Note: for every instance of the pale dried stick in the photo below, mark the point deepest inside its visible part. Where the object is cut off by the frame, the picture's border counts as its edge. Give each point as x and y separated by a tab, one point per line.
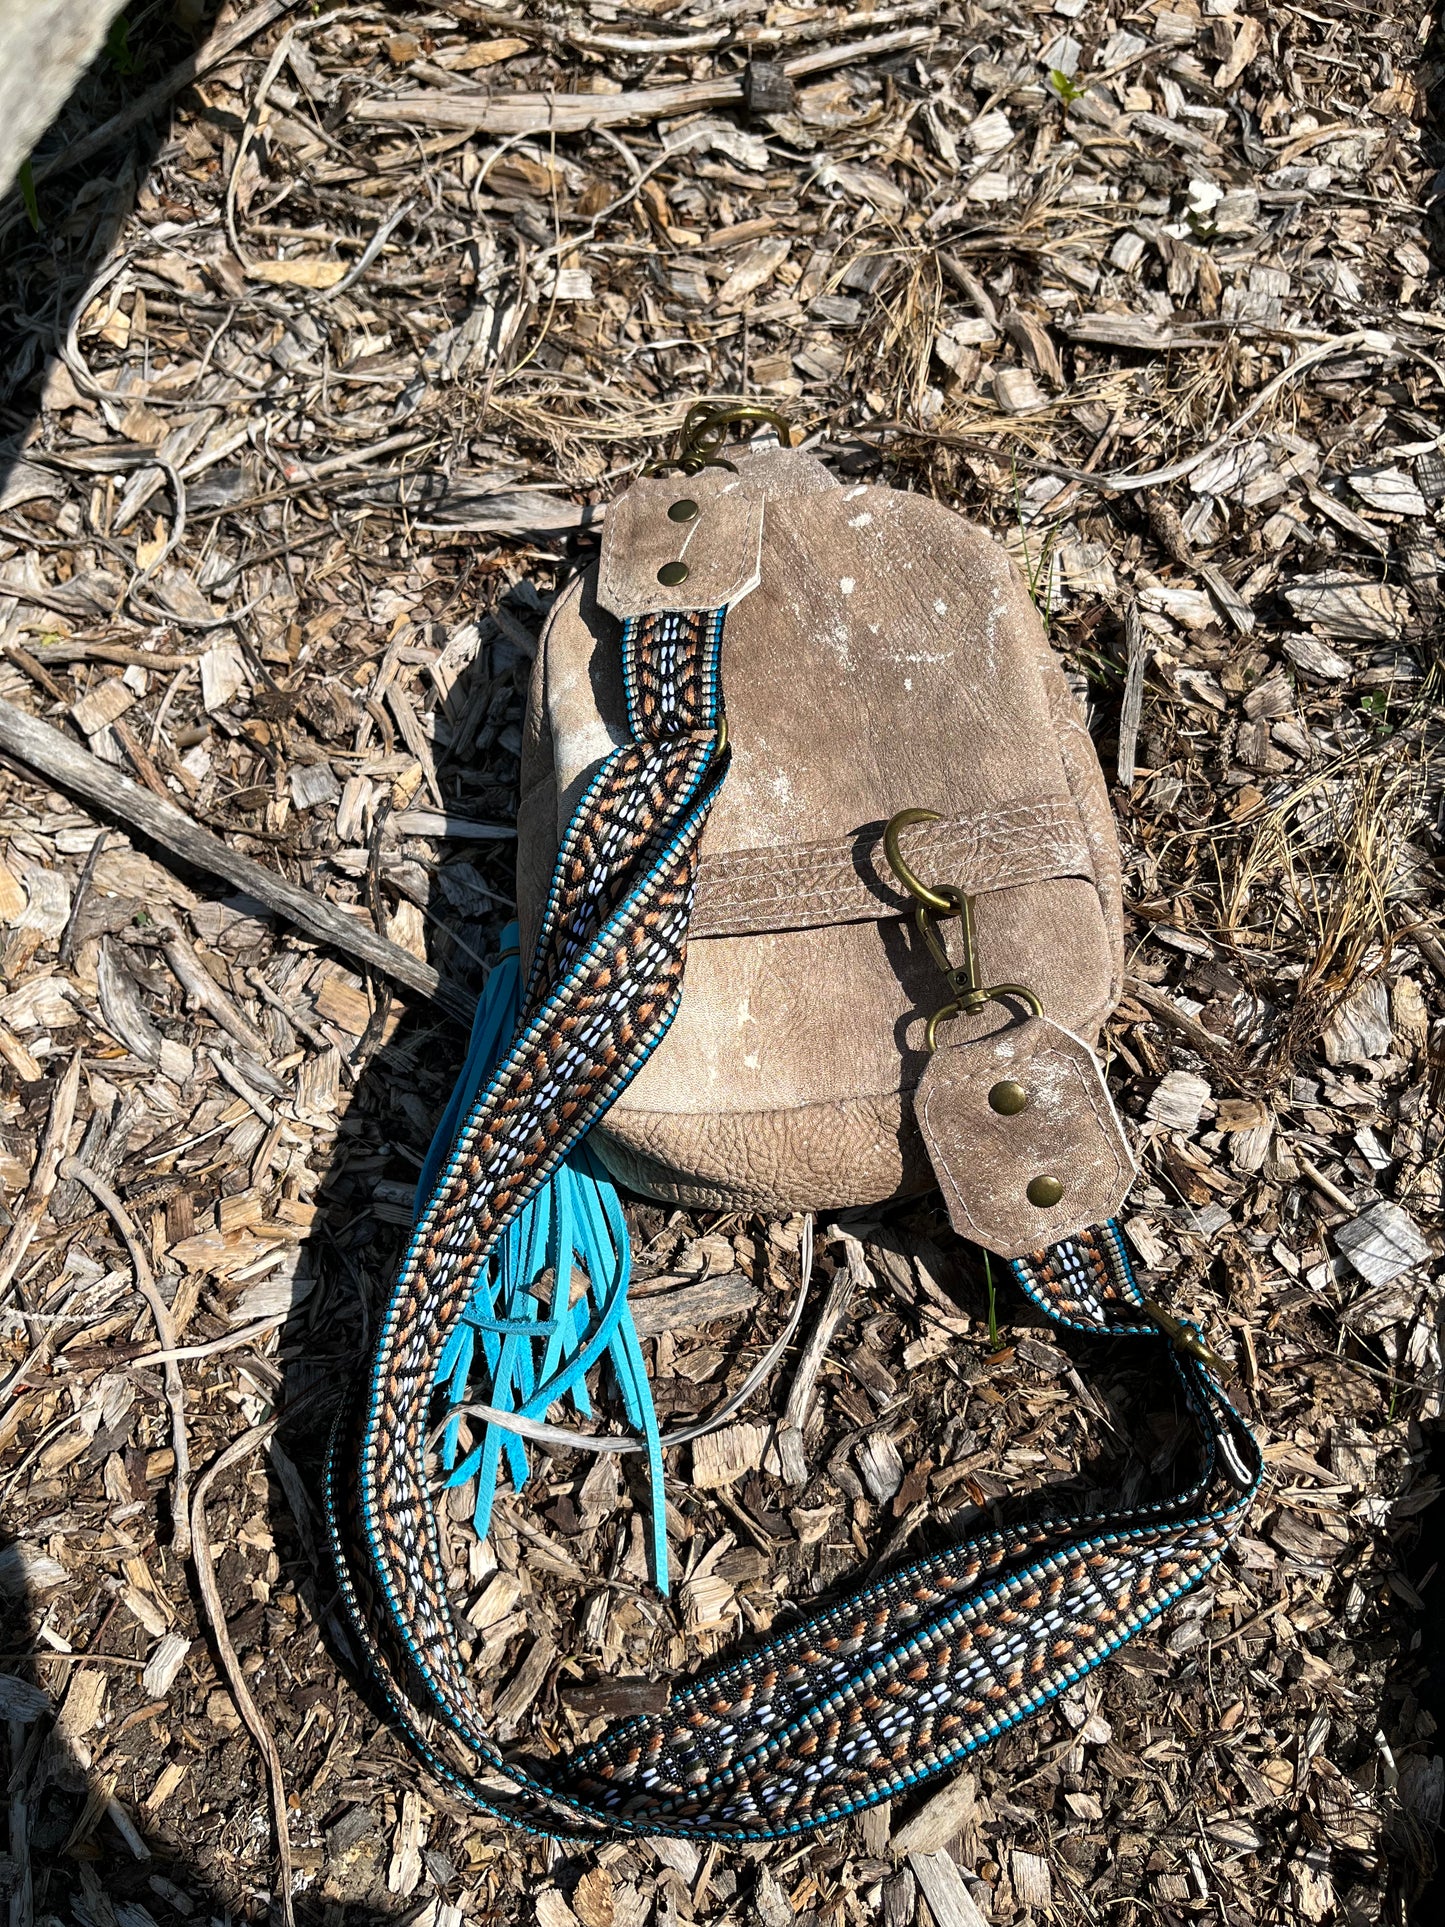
70	767
248	131
1132	710
235	1679
43	1176
230	1343
73	1171
1321	1183
791	1455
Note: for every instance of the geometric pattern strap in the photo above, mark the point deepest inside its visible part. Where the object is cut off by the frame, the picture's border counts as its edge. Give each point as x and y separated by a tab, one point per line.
907	1677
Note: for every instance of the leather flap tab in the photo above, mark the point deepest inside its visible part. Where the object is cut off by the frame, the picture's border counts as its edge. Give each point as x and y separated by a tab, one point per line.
1023	1137
710	559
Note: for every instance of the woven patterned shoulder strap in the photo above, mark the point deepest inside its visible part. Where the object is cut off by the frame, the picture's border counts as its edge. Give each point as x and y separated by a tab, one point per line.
869	1696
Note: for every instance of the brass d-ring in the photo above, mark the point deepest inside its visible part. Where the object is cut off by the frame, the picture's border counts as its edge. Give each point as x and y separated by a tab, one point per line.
902	869
973	1001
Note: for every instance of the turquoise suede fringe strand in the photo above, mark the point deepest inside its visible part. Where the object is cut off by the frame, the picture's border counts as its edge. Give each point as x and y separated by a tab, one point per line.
538	1342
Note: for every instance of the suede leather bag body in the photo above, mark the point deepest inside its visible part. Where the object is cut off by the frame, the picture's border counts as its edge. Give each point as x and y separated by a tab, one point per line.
880	653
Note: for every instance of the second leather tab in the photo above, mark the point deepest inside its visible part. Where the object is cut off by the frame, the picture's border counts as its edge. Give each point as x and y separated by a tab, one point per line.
1023	1137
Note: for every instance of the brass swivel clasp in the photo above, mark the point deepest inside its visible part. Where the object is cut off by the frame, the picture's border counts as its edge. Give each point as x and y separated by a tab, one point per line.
935	904
1185	1337
705	430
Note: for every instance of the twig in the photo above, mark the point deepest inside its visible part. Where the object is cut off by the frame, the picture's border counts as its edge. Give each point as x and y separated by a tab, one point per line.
1122	481
230	1075
376	1023
248	131
45	749
206	994
43	1176
36	671
369	253
1292	370
577	113
1321	1183
1169	1012
375	902
298	1020
70	353
139	759
353	458
86	1658
215	1613
1133	705
77	902
73	1171
214	1346
791	1455
67	649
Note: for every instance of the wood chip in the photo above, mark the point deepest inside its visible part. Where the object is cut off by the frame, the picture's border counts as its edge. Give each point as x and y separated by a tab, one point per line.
163	1663
1032	1882
1383	1243
524	1685
1179	1099
1359	1030
692	1306
21	1701
942	1886
719	1458
102	705
941	1819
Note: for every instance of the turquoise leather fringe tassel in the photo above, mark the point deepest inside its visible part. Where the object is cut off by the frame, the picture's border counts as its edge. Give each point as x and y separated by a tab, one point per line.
573	1235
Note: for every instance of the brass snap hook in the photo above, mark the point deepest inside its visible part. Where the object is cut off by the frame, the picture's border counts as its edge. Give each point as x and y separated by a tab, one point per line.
705	429
933	905
902	869
1185	1336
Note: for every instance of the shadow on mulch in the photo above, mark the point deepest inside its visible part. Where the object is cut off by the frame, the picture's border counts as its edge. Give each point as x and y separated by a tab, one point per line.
45	272
72	1858
1416	1681
65	1856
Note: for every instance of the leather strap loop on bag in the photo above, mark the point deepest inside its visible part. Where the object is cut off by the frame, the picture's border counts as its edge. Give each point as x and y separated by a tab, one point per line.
746	893
1027	1145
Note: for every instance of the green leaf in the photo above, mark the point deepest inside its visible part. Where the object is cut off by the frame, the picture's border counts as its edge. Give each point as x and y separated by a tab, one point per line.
1064	87
117	46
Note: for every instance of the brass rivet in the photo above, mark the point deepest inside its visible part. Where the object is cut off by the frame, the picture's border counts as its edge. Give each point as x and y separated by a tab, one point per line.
1044	1193
671	573
682	511
1008	1098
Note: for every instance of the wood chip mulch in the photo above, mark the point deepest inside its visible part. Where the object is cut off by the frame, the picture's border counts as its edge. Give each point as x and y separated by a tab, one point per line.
318	379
